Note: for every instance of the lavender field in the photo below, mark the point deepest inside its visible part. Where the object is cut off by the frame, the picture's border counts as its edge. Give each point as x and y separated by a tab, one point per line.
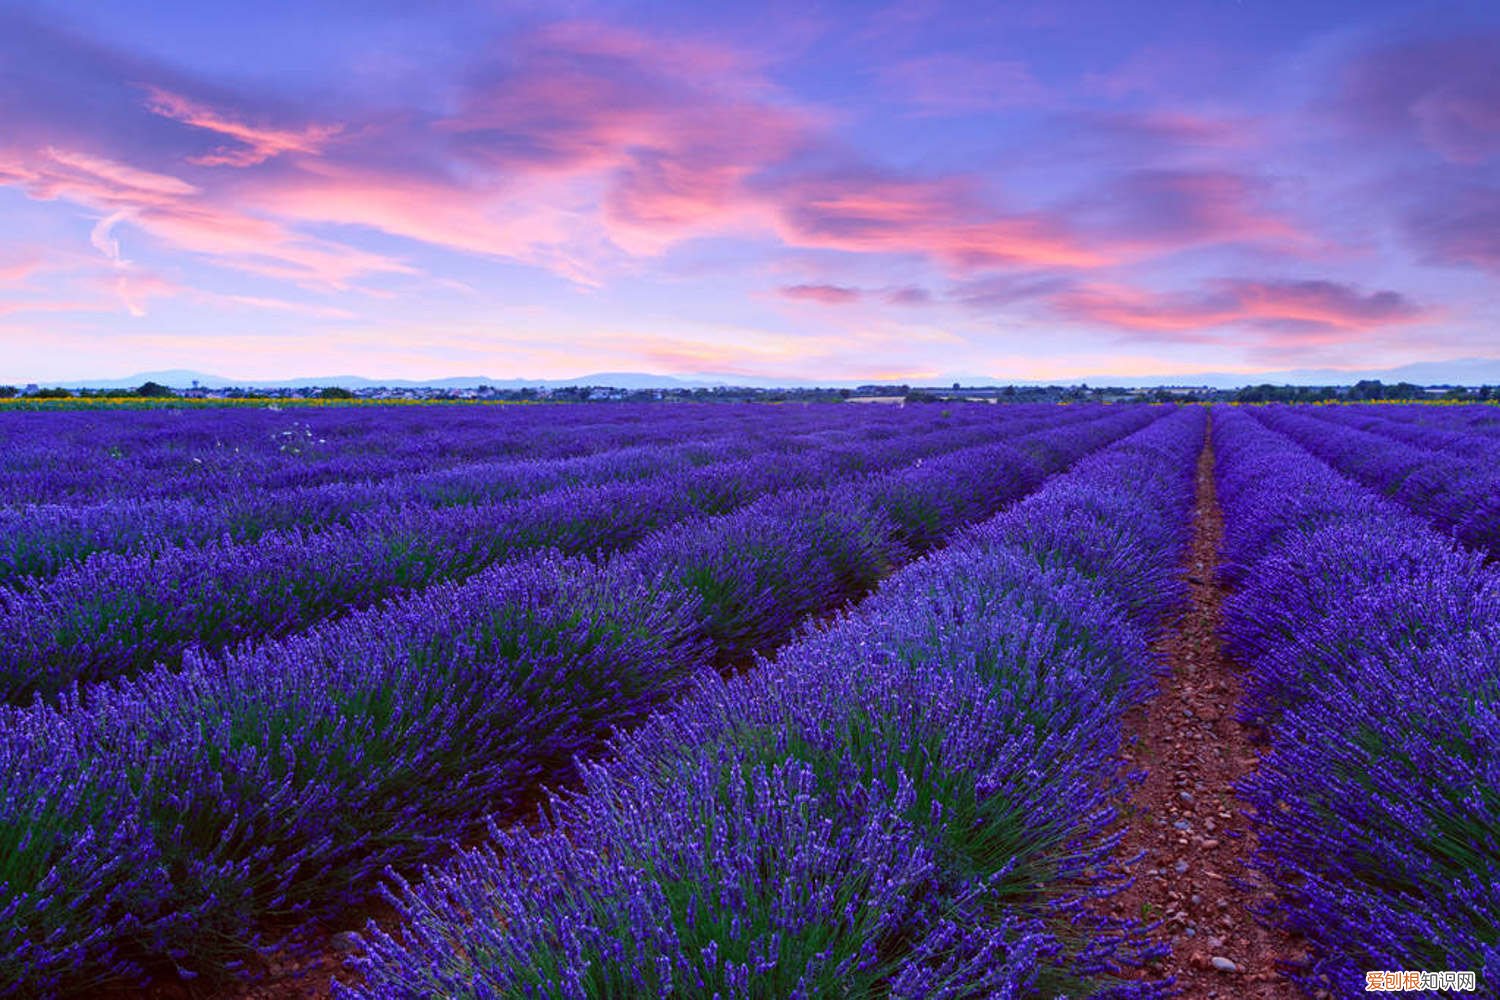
739	701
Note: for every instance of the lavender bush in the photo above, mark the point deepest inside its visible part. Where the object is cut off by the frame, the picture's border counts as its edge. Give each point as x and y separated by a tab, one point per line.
909	801
255	793
1373	645
1457	488
112	615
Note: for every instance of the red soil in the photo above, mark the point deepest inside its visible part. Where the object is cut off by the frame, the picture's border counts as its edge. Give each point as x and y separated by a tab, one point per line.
1184	820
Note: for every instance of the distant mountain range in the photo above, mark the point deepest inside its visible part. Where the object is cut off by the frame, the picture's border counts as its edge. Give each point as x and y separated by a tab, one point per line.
1464	371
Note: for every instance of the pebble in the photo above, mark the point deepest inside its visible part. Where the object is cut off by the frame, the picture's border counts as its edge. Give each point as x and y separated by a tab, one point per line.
1180	867
1185	796
1183	824
344	941
1223	964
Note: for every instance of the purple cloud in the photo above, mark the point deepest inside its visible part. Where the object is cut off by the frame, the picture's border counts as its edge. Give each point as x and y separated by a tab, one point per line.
1457	224
828	295
1441	92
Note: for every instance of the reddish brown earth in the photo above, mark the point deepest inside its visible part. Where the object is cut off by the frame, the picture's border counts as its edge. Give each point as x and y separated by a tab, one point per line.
1184	820
308	974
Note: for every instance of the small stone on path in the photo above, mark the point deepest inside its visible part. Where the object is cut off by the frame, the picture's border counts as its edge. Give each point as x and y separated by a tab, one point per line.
344	941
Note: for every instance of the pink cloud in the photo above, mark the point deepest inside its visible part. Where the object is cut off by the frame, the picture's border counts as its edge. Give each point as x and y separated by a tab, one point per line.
74	174
536	219
671	129
576	146
909	295
136	290
943	219
839	295
19	269
587	141
828	295
1293	311
184	216
256	144
281	305
1161	210
582	96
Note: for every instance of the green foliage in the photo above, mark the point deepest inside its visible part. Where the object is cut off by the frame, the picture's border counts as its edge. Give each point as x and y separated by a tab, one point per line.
1267	393
1368	389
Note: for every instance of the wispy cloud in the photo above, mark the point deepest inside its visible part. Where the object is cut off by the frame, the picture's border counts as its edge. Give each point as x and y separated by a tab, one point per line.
943	219
1284	310
19	269
828	295
1157	209
254	144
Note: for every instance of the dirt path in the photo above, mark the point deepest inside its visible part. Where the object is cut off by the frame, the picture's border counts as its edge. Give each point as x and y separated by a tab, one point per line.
1184	819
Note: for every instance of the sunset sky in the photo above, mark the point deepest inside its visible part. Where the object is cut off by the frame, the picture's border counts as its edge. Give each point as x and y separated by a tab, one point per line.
908	191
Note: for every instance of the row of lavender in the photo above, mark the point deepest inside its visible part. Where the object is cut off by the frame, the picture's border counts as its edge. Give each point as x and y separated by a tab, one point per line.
84	456
1482	419
1373	645
448	463
909	802
1460	430
1449	476
177	818
112	615
38	540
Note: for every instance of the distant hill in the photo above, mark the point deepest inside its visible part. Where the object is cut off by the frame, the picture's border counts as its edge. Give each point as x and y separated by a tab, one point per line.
1463	371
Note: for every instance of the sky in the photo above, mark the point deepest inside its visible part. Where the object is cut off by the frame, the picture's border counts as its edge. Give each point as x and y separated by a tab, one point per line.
899	191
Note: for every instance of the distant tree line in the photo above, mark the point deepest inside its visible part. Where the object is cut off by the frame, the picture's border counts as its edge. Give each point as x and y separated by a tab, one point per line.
1360	392
1267	393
